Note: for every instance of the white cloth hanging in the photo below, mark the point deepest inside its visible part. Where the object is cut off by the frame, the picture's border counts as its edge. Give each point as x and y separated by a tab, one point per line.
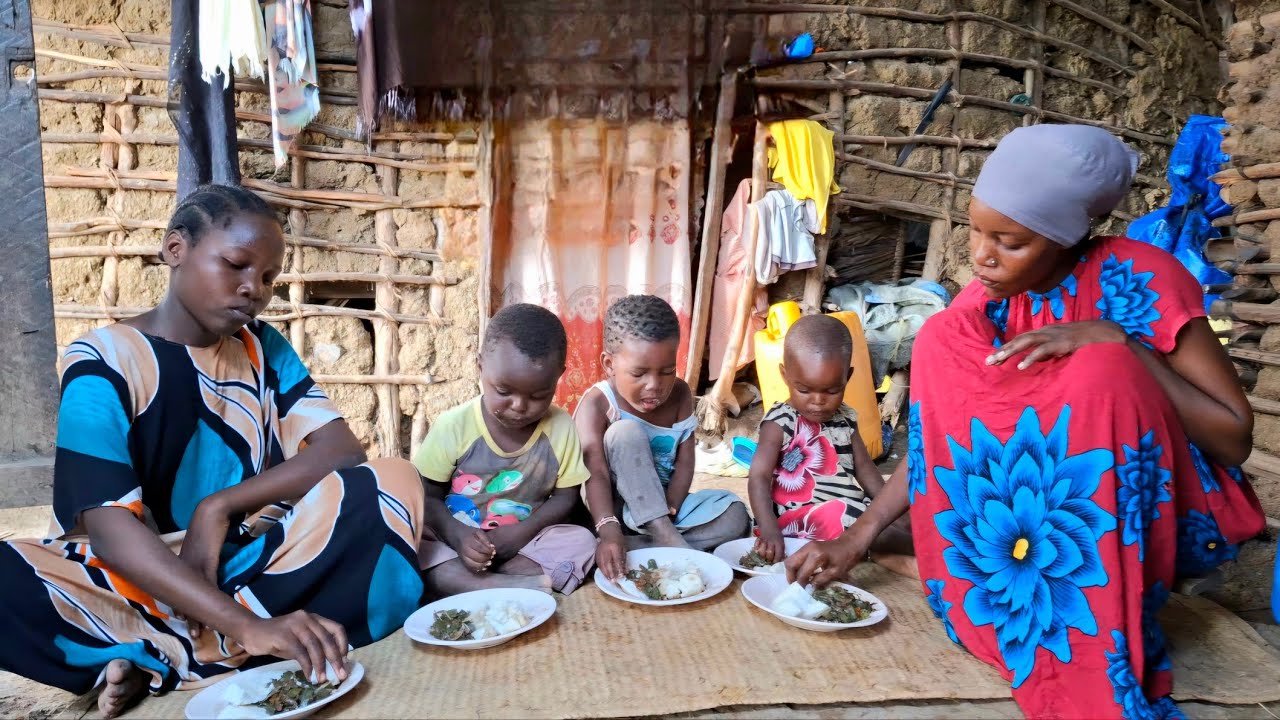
232	37
785	242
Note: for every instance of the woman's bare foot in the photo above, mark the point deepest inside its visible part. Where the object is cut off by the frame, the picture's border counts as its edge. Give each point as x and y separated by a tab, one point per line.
125	684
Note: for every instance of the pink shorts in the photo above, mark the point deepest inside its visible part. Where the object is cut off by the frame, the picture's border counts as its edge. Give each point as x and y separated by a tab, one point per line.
566	554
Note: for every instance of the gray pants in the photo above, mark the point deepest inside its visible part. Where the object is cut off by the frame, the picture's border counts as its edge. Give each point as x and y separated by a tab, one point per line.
638	490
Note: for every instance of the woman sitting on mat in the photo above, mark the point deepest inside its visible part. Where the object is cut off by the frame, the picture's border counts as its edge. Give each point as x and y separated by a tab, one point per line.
1075	428
196	427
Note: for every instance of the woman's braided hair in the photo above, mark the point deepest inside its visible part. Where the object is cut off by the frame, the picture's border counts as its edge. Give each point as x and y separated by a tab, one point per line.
213	206
640	317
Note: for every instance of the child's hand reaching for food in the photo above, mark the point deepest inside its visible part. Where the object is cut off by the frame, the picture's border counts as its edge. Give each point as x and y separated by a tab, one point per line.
770	545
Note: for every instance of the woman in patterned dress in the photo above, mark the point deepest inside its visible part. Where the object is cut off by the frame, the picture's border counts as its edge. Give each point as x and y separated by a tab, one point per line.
211	508
1074	434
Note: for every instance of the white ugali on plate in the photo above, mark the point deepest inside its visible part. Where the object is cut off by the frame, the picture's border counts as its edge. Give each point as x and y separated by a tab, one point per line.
716	574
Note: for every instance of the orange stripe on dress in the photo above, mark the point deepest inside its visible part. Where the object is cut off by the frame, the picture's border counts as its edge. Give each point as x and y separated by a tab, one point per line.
128	589
250	348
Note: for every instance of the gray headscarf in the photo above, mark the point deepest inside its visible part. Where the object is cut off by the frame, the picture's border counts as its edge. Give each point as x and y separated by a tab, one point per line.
1054	179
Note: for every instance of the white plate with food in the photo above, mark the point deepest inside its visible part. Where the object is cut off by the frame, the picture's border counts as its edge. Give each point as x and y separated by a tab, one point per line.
480	619
739	554
258	692
668	576
838	606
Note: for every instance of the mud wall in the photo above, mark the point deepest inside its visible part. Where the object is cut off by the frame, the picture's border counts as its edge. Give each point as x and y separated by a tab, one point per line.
1251	183
1126	65
406	208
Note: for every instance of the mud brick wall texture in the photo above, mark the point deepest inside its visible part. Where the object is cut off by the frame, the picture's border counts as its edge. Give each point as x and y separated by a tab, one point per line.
380	286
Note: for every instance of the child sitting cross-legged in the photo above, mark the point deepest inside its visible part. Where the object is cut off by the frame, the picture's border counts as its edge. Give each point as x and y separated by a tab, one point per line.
637	436
503	471
811	476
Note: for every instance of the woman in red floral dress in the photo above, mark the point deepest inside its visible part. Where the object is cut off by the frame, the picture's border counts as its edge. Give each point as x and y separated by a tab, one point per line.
1074	435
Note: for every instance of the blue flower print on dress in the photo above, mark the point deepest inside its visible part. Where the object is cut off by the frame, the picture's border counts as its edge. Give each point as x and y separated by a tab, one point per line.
1205	470
1024	530
1155	648
1128	692
998	313
941	608
1057	306
917	472
1126	299
1143	486
1201	546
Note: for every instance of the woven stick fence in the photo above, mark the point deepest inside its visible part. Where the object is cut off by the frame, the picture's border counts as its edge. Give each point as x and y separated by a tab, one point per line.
1043	58
102	73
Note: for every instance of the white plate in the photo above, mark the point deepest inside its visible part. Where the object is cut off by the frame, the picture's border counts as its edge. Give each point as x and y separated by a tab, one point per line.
538	605
716	573
732	551
209	702
761	591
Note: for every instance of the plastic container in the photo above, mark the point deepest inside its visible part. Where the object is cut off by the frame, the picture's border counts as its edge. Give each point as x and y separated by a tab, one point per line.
859	394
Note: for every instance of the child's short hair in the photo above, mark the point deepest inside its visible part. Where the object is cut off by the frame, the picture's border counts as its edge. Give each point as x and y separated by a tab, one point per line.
640	317
535	331
213	206
821	335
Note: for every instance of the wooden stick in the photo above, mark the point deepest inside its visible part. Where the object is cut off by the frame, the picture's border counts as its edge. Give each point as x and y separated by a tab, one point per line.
939	54
1257	295
391	380
1263	405
1268	268
1231	176
899	252
76	96
885	140
1245	218
875	204
1261	357
939	238
892	90
386	333
1187	20
402	161
922	17
1247	312
81	251
1107	23
166	181
711	407
279	312
1263	465
943	178
298	289
713	216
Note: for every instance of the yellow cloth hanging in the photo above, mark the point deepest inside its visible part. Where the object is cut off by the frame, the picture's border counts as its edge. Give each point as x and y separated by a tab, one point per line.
804	161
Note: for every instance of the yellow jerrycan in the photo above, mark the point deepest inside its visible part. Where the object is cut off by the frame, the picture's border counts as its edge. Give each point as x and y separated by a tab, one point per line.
859	394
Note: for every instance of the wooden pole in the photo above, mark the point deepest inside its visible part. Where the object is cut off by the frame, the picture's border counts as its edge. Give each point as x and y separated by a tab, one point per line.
713	216
386	331
711	407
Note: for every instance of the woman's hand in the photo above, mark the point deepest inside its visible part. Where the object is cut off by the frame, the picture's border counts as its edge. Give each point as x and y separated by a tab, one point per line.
825	562
308	639
1055	341
202	545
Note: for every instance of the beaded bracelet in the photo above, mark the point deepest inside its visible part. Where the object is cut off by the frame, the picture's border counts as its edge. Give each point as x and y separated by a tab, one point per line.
605	521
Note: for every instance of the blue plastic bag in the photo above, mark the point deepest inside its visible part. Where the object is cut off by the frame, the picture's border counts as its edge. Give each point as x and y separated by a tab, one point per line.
1184	226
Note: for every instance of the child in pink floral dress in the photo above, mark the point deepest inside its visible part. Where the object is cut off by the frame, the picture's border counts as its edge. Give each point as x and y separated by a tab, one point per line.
811	476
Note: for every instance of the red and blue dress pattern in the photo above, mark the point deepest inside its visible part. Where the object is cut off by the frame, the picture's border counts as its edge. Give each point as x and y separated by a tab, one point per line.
1053	506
